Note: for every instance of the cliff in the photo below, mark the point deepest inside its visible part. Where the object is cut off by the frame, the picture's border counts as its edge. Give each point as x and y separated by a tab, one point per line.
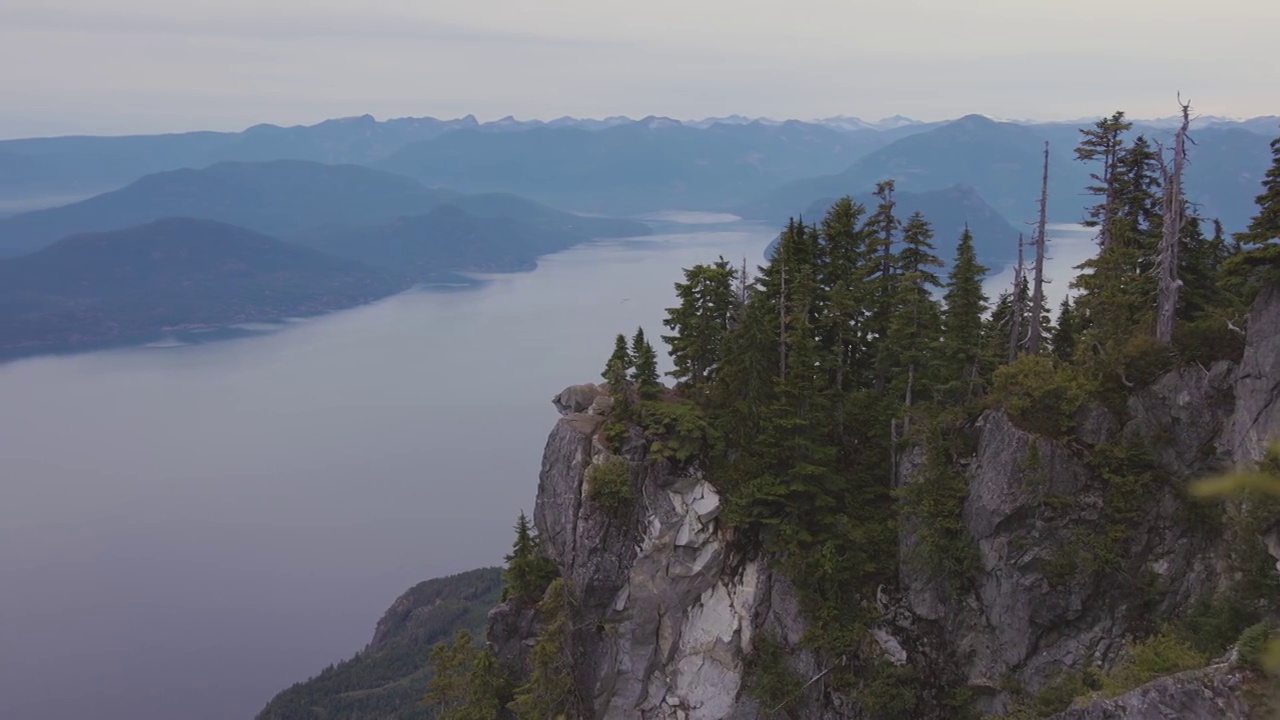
1080	543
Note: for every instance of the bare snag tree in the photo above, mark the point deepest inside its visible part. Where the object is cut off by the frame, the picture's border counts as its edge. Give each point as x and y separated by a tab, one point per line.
1037	288
1168	284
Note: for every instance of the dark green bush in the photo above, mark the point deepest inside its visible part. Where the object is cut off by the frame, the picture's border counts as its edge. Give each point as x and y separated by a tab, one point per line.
1041	394
1144	359
1207	340
610	484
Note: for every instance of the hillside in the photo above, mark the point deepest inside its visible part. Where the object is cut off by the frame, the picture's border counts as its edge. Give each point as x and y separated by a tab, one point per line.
1002	161
108	287
949	210
648	165
274	197
450	238
387	679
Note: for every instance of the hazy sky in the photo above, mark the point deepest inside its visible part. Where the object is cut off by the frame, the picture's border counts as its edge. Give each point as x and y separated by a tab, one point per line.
150	65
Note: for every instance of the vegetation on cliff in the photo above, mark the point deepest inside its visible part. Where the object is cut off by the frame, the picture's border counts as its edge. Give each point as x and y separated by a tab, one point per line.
848	355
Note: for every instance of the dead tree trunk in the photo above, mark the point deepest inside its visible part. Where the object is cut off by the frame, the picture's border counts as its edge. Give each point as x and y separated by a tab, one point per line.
1037	290
1175	219
1015	306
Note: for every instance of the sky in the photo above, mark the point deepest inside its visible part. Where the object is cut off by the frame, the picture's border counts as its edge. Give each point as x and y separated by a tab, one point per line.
86	66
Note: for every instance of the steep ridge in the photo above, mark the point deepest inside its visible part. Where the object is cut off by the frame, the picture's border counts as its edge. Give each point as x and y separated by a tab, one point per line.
669	618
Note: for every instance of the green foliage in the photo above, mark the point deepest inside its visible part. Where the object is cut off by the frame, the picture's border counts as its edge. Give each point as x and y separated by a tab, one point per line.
1056	696
645	372
678	431
610	484
1041	394
1162	654
891	691
1264	229
549	691
1144	359
934	503
1215	622
387	680
468	683
528	570
965	305
1065	332
768	678
700	323
1207	340
1252	645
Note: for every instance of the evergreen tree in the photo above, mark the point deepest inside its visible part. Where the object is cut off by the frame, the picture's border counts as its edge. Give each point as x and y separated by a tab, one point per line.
527	572
645	374
878	272
915	328
1064	334
709	307
549	692
1117	287
466	682
1104	142
842	322
1260	244
1199	266
965	304
616	372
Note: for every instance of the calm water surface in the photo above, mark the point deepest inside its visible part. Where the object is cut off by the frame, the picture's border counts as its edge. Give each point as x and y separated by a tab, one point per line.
186	530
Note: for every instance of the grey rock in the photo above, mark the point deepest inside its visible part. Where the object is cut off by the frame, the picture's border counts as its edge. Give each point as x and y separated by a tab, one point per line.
577	398
1257	415
1216	692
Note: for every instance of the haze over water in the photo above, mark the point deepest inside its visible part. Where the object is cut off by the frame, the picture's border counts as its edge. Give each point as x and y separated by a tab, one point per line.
185	531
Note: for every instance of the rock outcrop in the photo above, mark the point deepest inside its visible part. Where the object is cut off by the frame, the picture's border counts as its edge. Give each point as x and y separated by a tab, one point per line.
1218	692
1071	561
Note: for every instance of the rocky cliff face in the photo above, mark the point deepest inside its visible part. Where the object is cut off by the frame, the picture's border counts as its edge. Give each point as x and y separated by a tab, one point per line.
1070	562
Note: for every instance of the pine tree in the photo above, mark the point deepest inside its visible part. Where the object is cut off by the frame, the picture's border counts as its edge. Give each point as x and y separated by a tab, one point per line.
915	327
1199	266
1118	288
1260	244
645	374
710	305
842	320
878	272
1103	142
466	682
527	572
1064	334
965	304
549	692
616	372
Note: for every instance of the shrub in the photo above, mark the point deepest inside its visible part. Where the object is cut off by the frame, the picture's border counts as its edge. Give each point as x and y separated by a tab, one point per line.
1253	646
1207	340
677	431
1162	654
1041	394
610	485
1144	359
768	678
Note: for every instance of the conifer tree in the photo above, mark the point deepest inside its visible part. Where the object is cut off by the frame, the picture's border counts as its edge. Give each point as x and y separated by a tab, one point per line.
616	372
916	325
1064	333
1260	244
841	260
965	304
1104	142
466	682
527	572
709	307
549	692
645	374
878	272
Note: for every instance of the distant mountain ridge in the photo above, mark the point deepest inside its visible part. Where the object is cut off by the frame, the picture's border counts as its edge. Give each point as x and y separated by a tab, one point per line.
284	197
122	285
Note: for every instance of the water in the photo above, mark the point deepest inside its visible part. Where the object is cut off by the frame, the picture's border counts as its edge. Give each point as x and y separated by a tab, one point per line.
186	529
